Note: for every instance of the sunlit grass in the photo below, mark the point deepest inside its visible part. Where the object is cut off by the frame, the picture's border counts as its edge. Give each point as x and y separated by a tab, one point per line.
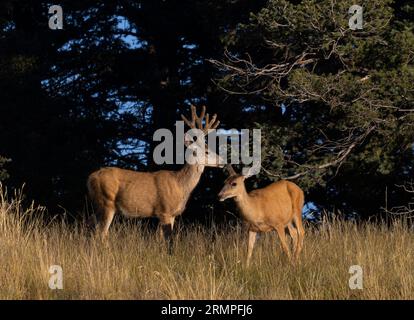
206	264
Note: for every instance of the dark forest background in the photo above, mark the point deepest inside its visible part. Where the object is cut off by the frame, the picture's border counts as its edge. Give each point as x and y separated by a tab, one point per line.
335	105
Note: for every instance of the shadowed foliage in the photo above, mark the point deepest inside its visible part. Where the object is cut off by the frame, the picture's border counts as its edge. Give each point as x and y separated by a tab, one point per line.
335	106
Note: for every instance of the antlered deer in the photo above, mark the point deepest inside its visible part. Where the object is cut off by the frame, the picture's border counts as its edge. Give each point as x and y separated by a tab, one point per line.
162	194
275	207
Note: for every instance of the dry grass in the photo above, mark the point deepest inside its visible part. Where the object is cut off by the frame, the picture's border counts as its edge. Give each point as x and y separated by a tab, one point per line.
207	264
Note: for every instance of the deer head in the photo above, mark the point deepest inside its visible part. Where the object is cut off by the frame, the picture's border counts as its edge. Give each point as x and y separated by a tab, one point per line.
198	151
234	184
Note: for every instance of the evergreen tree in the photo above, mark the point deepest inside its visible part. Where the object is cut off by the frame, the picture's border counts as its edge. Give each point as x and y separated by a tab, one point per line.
339	102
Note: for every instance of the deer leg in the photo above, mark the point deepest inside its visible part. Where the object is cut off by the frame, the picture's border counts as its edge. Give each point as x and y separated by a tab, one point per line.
167	232
282	236
301	233
160	233
107	215
167	225
252	240
294	235
91	222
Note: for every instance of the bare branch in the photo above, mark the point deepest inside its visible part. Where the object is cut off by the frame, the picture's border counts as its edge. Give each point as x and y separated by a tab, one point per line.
341	156
405	210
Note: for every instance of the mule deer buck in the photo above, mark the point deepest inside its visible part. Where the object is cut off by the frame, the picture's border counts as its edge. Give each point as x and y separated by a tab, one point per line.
275	207
162	194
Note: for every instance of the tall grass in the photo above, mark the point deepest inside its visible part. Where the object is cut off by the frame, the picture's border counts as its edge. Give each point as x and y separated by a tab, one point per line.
206	264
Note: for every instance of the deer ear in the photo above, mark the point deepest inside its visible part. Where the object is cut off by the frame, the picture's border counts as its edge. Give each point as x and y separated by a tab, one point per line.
230	170
247	173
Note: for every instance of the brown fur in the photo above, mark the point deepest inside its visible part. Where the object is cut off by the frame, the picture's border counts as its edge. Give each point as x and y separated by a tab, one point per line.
162	194
275	207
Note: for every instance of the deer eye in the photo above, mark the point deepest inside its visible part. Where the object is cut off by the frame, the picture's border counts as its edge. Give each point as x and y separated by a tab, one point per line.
233	184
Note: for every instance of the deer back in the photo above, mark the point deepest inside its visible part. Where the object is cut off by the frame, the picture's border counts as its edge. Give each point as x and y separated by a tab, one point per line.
274	202
141	194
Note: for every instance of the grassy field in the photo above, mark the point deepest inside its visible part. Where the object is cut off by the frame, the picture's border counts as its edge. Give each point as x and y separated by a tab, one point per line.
207	264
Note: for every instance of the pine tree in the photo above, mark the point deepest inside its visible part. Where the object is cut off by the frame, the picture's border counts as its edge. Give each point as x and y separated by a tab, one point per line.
339	101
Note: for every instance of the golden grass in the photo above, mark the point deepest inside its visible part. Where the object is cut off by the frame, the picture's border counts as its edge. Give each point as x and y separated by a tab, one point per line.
207	264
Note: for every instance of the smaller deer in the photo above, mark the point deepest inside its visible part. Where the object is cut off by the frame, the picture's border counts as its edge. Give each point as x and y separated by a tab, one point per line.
275	207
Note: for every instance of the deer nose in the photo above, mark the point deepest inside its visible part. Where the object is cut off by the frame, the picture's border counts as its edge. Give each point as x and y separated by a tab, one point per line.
220	196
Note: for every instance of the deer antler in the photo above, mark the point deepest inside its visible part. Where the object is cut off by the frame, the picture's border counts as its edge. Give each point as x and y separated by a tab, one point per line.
197	121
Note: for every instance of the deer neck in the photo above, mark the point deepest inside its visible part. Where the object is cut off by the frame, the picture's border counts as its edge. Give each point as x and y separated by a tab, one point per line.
245	204
189	176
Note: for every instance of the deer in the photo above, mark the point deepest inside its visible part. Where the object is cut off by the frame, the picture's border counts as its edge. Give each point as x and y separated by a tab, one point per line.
276	207
161	194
